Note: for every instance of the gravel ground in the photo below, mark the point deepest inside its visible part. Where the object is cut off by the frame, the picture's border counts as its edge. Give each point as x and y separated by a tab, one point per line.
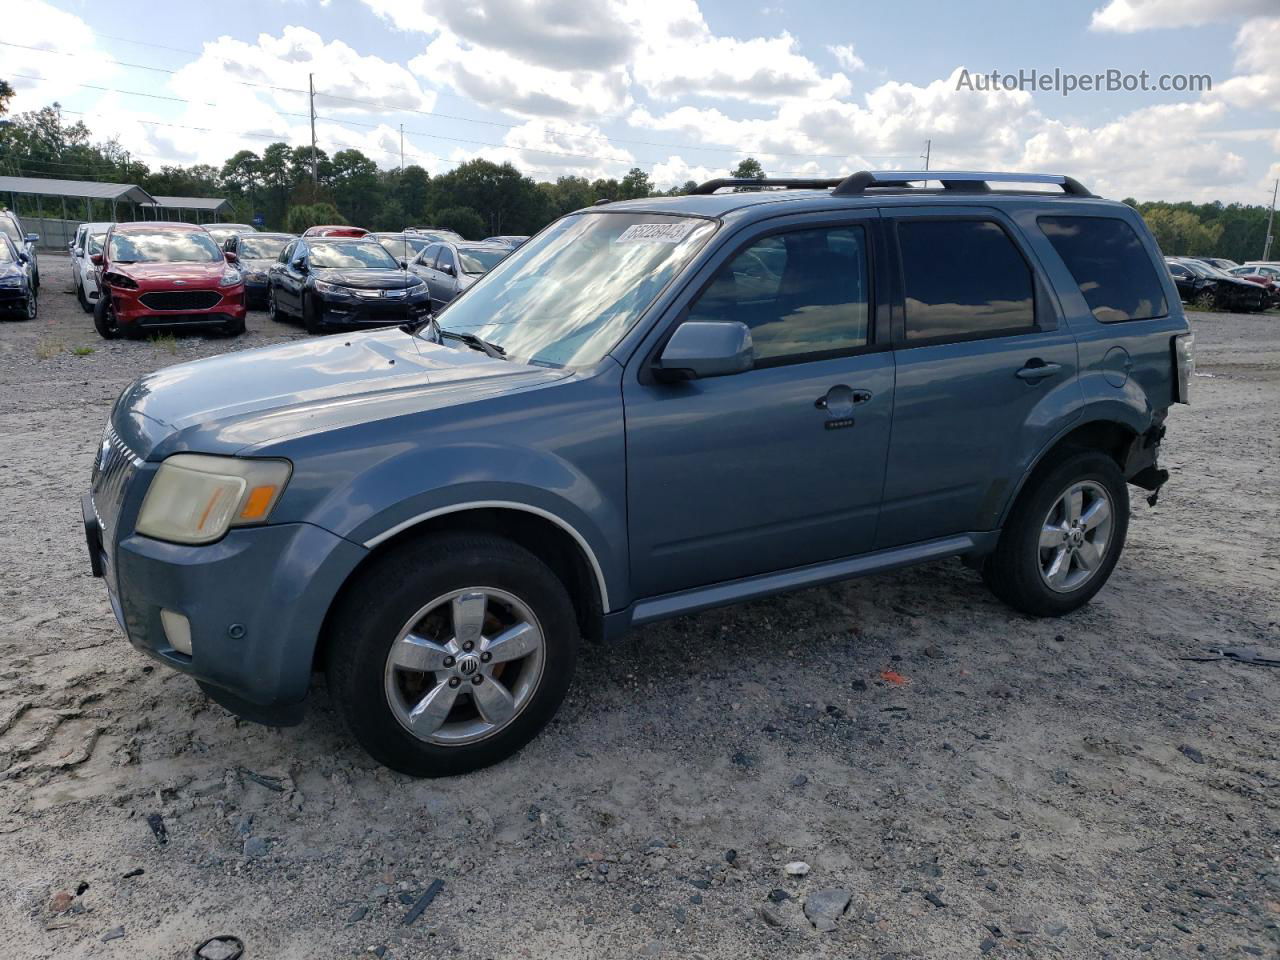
974	781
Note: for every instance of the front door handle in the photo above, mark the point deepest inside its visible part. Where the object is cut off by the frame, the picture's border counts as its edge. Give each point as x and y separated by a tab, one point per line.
1036	370
840	399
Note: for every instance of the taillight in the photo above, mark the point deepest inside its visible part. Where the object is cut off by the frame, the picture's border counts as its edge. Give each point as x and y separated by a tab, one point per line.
1185	366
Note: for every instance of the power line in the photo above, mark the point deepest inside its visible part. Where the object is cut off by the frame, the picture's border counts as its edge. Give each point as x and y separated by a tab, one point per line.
392	108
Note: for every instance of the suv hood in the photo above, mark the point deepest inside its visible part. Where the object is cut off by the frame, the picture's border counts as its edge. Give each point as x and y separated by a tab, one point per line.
389	279
163	274
235	401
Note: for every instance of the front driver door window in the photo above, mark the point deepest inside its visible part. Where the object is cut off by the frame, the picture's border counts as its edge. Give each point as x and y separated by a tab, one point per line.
782	465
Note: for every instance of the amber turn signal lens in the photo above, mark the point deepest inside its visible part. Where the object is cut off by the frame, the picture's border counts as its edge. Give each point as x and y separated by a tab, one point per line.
258	502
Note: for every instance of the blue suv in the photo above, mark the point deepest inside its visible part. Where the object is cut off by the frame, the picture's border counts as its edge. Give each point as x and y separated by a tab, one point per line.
651	408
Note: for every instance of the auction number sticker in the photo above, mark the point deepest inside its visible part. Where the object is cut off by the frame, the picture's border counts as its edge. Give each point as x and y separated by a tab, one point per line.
656	232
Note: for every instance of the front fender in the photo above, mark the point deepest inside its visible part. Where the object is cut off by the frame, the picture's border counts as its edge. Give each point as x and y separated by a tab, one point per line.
557	452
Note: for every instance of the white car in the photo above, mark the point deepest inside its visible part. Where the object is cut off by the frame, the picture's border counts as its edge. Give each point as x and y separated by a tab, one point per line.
84	275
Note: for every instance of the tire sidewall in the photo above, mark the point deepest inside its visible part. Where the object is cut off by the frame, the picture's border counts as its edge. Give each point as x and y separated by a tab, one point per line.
369	624
1017	562
102	319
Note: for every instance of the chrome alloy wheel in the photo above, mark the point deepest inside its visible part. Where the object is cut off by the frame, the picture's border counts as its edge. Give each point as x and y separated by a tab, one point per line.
1075	536
464	666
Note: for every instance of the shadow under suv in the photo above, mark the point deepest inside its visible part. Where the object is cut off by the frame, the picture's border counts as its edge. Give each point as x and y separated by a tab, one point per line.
651	408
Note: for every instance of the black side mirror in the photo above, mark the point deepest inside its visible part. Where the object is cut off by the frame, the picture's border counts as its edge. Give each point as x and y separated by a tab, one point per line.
699	349
300	266
447	268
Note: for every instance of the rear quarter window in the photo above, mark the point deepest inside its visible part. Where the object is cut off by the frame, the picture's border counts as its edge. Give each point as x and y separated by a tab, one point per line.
1109	263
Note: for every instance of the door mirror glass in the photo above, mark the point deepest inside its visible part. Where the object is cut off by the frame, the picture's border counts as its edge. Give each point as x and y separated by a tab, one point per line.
701	349
447	268
95	259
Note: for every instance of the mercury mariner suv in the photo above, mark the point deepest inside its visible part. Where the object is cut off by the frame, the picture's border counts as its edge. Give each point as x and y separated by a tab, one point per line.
651	408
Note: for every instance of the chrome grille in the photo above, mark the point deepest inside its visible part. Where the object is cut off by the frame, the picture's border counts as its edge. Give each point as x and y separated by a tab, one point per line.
112	469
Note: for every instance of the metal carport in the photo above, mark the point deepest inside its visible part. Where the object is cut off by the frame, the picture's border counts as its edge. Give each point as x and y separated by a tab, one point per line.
95	200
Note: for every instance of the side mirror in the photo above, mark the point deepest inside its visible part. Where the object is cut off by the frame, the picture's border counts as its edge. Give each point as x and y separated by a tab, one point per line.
299	265
33	238
231	256
95	259
699	349
447	268
24	258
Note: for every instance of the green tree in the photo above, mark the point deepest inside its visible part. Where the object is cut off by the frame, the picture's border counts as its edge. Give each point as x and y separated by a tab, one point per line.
506	201
462	219
357	188
635	185
1181	232
748	169
413	191
306	215
6	96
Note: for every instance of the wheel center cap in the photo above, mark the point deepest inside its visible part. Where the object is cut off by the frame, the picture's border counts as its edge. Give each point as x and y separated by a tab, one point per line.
468	665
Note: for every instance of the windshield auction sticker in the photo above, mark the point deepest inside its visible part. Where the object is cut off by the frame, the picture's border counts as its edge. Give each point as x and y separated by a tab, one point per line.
656	232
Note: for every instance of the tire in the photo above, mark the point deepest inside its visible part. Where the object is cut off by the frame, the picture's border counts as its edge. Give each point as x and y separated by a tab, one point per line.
309	321
33	306
1205	301
1021	570
104	320
418	586
85	305
273	311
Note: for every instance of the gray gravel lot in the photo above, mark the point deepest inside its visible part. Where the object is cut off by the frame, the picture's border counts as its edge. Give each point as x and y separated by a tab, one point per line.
1065	788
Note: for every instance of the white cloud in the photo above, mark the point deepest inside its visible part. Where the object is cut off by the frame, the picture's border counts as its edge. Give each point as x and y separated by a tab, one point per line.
34	23
1257	85
846	57
1127	16
676	171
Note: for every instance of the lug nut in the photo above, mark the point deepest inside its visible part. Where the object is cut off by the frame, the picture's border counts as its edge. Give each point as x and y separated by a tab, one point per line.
468	645
486	657
448	661
454	681
477	678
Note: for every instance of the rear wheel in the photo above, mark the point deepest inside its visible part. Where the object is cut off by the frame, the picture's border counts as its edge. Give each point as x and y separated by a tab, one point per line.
273	311
85	305
104	318
1064	536
451	653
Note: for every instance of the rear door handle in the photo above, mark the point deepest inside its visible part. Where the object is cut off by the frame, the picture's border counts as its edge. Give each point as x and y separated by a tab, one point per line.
1036	370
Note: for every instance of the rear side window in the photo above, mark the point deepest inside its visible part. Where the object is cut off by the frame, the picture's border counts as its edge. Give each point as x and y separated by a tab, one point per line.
1110	264
964	279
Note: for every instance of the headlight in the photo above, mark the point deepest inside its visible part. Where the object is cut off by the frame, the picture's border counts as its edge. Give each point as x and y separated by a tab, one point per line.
195	498
230	278
10	281
331	289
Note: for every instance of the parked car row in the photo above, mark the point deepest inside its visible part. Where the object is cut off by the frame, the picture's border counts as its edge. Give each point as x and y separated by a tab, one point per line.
1206	286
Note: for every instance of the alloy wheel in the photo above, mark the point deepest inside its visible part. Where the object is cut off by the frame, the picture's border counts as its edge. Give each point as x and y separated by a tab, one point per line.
1075	536
464	666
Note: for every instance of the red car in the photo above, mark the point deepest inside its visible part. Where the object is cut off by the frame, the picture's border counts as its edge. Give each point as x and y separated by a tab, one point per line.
1264	279
158	276
335	231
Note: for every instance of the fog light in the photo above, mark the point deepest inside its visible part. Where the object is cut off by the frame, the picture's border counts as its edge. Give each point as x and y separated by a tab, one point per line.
177	629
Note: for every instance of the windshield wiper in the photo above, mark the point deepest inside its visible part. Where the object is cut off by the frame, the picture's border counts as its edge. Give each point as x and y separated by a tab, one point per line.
478	343
437	333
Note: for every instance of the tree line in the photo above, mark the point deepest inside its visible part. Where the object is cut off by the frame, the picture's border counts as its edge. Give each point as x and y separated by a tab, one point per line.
293	188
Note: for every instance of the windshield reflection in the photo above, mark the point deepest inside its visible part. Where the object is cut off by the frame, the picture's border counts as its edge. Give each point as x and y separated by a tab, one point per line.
568	296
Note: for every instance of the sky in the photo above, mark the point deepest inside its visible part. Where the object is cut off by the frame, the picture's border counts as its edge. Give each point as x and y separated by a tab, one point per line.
682	89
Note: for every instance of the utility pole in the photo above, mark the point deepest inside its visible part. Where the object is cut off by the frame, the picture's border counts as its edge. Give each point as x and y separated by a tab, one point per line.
311	80
928	148
1271	219
402	148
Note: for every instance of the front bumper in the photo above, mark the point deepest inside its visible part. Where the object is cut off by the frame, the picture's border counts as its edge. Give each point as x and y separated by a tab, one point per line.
132	313
255	292
252	648
13	300
371	312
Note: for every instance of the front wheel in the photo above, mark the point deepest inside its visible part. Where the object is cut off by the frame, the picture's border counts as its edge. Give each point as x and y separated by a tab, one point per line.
451	653
104	317
1064	536
273	311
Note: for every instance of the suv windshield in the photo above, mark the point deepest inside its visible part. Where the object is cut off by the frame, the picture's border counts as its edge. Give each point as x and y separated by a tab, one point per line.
261	248
163	246
351	254
566	298
95	242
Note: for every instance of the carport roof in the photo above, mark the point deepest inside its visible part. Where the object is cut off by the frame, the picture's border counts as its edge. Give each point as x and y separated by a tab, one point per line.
194	203
90	189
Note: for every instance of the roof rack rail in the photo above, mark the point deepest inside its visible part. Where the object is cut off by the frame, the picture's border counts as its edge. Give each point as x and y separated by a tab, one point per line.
711	186
959	181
